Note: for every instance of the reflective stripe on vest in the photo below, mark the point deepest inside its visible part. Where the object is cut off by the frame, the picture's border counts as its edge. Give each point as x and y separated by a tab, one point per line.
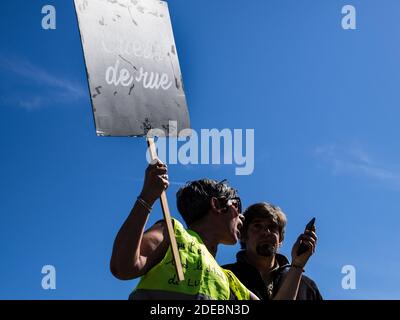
204	278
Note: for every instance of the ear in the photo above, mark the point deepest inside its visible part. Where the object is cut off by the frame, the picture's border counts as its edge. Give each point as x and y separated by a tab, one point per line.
215	205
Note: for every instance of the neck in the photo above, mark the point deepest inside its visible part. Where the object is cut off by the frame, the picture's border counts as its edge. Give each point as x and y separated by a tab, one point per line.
207	235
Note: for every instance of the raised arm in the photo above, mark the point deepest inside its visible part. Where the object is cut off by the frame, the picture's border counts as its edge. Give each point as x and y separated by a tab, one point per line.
291	282
135	252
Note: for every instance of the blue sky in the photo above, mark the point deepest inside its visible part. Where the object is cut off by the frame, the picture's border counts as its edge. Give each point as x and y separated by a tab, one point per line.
324	103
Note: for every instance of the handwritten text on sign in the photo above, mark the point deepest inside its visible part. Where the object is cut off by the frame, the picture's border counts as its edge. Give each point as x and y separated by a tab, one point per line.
132	64
123	77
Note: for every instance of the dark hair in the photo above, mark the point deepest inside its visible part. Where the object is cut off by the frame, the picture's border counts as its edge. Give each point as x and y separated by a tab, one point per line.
193	200
263	210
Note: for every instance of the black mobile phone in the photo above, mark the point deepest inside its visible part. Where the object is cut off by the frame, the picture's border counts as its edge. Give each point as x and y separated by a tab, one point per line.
303	247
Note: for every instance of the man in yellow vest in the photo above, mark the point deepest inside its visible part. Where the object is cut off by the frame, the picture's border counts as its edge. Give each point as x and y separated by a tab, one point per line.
212	212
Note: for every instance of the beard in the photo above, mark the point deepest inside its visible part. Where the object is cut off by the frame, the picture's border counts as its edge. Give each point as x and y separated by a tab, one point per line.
266	250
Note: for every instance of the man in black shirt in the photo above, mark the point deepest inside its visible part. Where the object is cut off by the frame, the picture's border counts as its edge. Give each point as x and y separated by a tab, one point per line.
259	266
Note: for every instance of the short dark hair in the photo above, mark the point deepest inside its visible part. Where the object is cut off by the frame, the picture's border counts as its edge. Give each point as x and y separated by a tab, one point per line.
193	200
263	210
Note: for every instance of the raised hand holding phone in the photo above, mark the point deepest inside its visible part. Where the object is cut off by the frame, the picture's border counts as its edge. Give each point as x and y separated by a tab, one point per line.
304	247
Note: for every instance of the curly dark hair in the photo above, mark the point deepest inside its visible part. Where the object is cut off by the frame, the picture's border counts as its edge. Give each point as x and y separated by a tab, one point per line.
193	200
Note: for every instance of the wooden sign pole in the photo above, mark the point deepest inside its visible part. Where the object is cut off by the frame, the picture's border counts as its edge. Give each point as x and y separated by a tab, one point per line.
167	217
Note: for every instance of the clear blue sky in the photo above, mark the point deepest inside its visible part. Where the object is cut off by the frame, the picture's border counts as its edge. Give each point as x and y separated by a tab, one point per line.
324	103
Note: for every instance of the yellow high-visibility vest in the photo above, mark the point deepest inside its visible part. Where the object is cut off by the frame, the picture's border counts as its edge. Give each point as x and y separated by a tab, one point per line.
204	278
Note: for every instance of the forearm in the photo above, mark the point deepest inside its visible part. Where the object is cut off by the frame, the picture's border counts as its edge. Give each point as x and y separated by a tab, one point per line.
126	251
133	251
290	286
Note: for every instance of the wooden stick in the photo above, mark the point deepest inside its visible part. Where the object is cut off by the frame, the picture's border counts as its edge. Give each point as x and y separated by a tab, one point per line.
167	218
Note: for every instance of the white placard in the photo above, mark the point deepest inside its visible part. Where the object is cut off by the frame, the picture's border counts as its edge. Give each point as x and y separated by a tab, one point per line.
132	65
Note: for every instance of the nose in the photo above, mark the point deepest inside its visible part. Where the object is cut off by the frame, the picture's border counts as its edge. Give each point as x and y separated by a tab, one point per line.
240	221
